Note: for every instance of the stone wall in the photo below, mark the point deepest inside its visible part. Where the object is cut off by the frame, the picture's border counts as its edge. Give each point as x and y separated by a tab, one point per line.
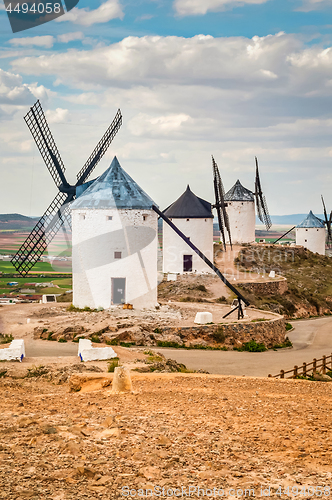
269	332
266	287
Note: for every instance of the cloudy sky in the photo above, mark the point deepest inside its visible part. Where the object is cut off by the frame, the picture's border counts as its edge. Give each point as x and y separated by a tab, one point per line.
232	78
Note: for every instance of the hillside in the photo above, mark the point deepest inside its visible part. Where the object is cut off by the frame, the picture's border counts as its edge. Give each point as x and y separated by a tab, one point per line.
309	278
16	222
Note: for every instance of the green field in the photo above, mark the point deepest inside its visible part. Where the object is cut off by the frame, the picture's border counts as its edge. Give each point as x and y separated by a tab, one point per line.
64	282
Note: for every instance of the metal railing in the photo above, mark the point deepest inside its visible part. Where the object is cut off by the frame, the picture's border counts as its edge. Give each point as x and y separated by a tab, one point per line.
324	364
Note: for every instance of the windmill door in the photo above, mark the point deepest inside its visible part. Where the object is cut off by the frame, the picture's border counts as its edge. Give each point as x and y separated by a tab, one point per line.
118	291
187	263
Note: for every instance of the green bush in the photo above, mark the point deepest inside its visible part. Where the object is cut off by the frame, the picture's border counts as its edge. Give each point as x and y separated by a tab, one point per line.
6	339
112	365
251	346
77	339
219	335
201	288
3	373
157	330
286	343
288	327
62	340
49	336
94	338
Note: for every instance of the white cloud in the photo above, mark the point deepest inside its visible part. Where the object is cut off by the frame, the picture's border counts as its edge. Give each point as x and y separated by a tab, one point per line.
196	7
309	5
58	116
70	37
183	100
46	41
14	92
111	9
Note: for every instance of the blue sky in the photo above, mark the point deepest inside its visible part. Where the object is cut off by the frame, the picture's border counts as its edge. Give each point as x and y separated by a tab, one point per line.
192	78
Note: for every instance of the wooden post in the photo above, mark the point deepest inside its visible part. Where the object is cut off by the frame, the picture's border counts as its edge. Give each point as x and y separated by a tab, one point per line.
305	369
295	371
270	376
324	365
314	365
282	373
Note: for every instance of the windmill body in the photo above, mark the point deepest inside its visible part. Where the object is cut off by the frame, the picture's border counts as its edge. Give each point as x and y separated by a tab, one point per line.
193	216
311	234
240	207
114	235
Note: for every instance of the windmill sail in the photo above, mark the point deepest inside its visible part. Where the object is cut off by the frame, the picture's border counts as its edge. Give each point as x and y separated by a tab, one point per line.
262	210
58	213
328	223
100	149
41	236
223	220
38	126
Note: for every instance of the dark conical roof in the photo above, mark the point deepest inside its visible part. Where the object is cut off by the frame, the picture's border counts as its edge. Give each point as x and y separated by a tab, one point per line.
189	206
311	221
239	193
114	189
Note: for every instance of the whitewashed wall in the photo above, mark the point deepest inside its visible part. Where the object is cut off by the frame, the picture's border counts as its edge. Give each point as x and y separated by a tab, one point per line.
242	219
200	232
95	239
311	238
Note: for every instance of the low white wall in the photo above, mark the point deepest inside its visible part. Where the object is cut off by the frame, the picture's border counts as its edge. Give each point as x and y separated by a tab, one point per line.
15	351
88	353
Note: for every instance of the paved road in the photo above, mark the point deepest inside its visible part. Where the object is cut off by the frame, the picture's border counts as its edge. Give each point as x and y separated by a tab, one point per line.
42	348
311	339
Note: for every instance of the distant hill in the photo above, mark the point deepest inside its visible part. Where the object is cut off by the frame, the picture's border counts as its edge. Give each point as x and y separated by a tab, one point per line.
290	220
17	222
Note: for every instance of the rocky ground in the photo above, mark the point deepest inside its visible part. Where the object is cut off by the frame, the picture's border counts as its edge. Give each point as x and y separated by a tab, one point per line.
55	322
173	431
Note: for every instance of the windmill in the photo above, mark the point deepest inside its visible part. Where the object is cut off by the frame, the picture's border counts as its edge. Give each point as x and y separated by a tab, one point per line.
328	223
219	193
57	213
262	210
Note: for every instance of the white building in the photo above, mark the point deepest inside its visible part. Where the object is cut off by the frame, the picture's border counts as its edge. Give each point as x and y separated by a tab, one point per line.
240	207
311	234
193	216
114	231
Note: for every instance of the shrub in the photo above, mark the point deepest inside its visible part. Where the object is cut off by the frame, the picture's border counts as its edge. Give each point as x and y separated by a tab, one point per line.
157	330
221	299
3	373
288	327
219	335
95	338
62	340
6	339
286	343
201	288
112	365
251	346
49	336
36	371
77	339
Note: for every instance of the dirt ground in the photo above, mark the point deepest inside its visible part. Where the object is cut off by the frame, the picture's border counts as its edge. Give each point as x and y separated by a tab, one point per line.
173	432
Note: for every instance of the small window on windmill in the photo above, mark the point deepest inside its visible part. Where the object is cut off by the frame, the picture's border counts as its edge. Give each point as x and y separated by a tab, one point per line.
109	217
306	229
82	217
145	216
118	255
305	241
187	220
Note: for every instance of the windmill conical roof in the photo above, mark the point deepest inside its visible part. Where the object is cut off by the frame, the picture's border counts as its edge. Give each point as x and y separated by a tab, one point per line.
239	193
189	206
114	189
311	221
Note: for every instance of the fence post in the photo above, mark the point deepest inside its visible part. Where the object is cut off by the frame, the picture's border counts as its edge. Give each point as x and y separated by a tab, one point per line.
314	365
324	365
282	373
304	369
295	371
